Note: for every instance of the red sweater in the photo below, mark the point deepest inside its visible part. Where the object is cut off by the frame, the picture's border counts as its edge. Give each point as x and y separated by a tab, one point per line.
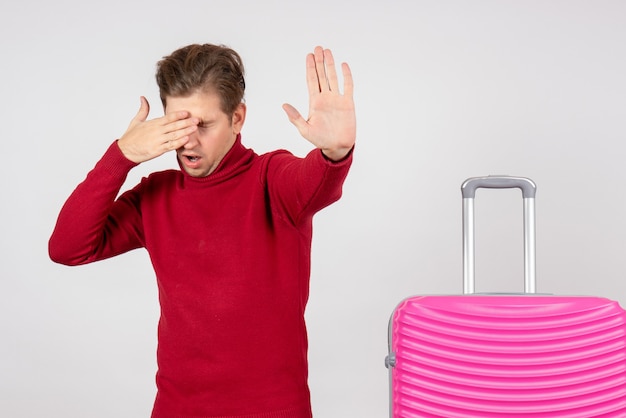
231	252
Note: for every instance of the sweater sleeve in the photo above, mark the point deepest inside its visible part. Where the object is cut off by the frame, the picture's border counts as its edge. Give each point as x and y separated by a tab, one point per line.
300	187
92	224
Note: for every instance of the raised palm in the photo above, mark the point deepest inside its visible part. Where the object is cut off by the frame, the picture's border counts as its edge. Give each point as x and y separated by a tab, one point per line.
331	124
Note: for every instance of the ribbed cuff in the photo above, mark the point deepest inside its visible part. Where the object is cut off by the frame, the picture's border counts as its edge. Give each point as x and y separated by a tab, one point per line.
115	163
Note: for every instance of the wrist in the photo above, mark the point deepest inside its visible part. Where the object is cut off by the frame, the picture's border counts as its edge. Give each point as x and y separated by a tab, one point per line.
125	153
337	155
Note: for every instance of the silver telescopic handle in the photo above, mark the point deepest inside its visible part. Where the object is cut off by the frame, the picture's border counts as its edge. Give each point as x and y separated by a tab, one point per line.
468	189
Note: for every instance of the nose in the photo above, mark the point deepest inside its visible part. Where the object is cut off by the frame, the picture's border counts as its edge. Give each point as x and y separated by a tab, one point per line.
193	140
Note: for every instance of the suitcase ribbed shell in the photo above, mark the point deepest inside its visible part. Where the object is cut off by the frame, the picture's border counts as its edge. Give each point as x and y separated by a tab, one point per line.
508	356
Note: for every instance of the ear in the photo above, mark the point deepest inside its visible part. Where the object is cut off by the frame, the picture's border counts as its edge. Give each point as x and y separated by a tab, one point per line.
239	117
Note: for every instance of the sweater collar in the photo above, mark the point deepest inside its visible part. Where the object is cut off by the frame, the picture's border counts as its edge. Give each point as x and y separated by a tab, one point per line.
235	160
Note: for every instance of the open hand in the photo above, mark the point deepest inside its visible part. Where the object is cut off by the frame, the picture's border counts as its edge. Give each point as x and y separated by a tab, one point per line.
331	125
147	139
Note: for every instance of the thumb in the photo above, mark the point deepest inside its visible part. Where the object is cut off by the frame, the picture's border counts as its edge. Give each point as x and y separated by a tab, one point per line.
144	109
296	118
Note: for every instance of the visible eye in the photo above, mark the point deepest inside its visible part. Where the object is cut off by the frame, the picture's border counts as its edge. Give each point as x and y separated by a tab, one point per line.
204	125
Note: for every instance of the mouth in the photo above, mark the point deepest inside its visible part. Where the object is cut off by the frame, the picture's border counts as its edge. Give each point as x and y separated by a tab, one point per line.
191	161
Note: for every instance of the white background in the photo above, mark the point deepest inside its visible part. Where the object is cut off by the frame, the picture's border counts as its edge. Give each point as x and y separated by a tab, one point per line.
445	90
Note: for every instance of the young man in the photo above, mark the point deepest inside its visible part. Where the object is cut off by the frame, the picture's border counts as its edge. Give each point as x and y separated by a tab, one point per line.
229	235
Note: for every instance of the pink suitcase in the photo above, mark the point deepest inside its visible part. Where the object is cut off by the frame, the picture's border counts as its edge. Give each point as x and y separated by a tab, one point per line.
506	355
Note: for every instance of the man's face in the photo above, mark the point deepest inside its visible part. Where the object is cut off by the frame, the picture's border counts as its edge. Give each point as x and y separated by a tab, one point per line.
216	132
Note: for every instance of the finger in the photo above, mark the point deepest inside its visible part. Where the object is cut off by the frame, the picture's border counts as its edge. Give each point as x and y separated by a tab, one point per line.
296	118
348	82
144	110
142	113
330	71
174	117
180	124
183	132
319	68
174	144
312	81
